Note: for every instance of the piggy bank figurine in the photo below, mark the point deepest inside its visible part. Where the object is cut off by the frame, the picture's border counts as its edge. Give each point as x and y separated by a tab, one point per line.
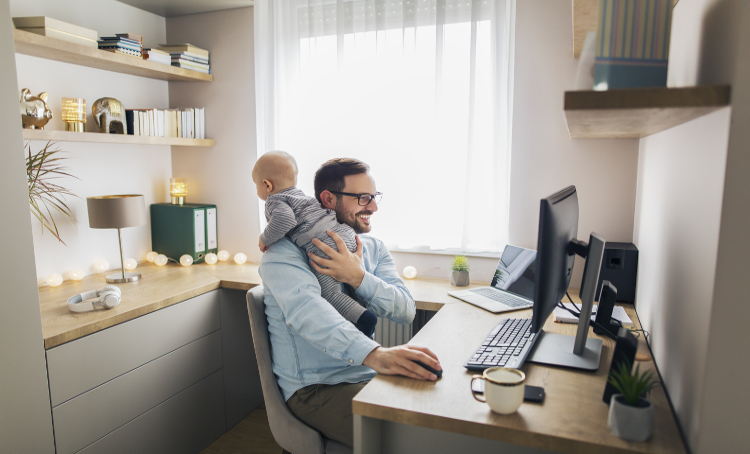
109	115
34	111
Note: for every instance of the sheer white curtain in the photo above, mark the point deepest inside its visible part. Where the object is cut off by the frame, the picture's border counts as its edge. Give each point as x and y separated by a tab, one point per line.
418	89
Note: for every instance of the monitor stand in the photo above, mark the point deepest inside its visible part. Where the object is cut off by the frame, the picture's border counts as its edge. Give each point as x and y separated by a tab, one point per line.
557	350
577	352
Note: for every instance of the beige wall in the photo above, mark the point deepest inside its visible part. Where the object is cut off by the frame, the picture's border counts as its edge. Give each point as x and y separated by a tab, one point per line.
221	174
25	415
691	225
101	169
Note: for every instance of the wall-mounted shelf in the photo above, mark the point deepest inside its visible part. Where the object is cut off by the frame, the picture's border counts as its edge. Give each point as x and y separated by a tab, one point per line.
67	136
638	112
53	49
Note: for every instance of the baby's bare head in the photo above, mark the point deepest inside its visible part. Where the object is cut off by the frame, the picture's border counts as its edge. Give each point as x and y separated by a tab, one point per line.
278	167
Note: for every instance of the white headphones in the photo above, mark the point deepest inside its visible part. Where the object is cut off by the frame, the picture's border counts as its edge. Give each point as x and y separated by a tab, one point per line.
109	297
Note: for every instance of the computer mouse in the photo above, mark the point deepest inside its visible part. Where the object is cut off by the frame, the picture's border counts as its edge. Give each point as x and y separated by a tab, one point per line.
438	373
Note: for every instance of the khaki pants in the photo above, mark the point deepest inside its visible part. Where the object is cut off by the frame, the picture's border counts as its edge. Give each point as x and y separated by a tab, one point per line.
327	409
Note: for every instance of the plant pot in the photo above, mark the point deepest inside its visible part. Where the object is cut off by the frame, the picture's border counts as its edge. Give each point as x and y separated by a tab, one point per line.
629	422
460	278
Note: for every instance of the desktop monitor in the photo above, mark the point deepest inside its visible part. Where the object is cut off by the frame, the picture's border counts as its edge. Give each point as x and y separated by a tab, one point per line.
557	247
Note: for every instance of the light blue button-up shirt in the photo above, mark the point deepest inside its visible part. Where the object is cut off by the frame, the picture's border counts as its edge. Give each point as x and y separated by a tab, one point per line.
311	342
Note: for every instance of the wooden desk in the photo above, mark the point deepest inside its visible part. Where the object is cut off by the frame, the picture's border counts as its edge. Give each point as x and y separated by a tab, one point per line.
398	414
171	284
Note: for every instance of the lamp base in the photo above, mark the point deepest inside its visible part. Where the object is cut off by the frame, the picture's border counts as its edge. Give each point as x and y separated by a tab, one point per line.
117	278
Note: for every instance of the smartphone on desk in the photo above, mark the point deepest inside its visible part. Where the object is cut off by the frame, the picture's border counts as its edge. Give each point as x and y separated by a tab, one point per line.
533	394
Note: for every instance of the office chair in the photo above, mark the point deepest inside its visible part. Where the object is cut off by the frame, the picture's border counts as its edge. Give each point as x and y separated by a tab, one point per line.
289	432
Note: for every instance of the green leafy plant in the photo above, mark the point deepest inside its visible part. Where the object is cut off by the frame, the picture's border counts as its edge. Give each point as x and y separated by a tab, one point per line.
460	263
45	196
632	384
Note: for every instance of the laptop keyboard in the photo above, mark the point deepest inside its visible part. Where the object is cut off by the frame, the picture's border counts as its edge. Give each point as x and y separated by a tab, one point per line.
506	345
502	297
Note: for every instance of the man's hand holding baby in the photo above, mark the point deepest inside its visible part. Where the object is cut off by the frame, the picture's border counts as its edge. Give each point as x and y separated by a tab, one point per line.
343	265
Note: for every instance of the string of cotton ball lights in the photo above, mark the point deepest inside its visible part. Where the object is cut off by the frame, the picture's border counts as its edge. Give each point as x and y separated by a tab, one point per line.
100	266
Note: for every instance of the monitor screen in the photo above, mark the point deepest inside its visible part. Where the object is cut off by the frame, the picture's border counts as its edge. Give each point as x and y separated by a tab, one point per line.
516	272
558	226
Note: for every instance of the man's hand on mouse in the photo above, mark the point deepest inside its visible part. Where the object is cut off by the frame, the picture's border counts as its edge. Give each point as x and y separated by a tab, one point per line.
399	360
343	265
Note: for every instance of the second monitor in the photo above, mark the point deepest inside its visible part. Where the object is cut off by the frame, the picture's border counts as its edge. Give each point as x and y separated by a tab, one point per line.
557	247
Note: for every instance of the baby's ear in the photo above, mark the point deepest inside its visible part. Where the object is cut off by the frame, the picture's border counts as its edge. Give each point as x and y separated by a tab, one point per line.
269	186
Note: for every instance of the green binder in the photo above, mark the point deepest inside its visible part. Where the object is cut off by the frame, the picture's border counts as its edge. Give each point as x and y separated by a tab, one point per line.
189	229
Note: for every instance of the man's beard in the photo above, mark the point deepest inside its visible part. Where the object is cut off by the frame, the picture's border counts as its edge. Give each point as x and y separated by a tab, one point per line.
352	221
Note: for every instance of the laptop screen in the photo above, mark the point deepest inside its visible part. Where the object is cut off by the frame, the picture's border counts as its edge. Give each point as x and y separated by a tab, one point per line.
516	271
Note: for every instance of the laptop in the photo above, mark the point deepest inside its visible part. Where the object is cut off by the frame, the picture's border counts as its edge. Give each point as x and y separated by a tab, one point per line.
512	286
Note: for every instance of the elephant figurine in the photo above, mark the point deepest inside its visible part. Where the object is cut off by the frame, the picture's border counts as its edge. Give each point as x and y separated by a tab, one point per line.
109	115
34	111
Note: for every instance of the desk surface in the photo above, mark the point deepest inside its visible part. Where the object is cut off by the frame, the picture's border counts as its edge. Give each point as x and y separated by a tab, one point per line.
163	286
572	419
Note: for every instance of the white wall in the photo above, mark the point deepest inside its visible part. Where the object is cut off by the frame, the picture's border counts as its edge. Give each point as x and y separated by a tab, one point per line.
102	169
691	222
544	158
221	174
25	415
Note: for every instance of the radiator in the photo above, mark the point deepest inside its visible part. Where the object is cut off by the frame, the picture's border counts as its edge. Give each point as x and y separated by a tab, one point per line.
390	334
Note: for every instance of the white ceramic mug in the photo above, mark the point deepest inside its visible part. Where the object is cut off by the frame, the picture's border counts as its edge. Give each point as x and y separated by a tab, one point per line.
503	389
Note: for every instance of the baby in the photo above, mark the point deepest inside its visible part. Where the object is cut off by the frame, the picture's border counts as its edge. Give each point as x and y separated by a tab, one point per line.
290	212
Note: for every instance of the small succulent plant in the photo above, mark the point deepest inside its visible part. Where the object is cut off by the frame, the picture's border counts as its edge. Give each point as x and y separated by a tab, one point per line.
460	263
632	384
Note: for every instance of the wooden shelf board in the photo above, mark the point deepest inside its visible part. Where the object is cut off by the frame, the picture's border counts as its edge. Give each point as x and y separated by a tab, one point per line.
54	49
639	112
93	137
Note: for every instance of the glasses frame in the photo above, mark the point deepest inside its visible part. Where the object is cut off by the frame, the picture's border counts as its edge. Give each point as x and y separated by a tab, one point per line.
379	196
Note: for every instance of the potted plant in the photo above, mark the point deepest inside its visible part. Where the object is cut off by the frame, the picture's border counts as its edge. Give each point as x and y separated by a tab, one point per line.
631	415
460	271
45	196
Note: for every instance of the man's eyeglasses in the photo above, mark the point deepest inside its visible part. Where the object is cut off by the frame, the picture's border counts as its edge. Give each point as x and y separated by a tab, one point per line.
363	199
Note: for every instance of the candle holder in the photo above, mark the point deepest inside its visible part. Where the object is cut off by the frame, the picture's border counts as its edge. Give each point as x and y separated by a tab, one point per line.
74	114
178	190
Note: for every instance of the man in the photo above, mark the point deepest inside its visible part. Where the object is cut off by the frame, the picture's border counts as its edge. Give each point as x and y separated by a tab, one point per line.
321	360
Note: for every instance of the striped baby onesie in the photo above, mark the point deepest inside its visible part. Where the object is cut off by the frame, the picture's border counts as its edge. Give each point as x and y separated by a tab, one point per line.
290	212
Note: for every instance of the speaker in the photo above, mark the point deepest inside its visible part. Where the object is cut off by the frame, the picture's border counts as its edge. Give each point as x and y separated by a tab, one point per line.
604	324
625	348
620	267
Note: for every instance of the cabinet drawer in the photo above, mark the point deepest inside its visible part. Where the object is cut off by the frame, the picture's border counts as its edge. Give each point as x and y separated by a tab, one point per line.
82	364
86	418
186	423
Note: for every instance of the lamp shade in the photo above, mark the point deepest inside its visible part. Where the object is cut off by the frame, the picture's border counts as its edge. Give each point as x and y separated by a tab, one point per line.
116	211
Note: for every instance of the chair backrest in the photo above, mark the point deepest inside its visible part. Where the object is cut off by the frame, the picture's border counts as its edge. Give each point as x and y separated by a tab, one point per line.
288	431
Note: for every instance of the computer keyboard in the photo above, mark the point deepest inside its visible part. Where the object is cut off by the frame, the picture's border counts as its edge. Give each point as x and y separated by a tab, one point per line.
506	345
502	297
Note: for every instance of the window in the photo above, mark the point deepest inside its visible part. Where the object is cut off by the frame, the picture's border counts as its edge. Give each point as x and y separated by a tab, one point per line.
419	90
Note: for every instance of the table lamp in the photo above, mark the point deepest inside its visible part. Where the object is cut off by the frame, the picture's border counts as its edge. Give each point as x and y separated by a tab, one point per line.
117	212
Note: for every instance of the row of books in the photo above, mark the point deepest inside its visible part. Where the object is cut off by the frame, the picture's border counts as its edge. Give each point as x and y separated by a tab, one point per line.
188	123
123	43
187	56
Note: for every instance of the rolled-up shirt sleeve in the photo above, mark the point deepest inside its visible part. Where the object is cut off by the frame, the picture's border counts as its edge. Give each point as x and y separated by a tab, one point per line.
287	276
382	289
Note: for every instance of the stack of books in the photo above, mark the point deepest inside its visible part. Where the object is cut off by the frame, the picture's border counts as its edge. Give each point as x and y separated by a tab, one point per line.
57	29
157	56
123	43
188	123
188	56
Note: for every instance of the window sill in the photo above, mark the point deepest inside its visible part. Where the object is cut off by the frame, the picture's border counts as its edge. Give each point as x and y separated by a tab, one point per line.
448	252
